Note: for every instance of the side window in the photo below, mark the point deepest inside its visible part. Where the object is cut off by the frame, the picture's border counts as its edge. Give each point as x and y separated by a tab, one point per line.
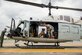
65	28
67	18
75	29
61	17
21	26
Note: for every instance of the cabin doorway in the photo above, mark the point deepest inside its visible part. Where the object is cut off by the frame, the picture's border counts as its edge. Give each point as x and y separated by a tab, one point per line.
43	29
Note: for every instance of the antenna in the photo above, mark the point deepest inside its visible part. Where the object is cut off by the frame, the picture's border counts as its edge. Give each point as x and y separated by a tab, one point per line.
49	7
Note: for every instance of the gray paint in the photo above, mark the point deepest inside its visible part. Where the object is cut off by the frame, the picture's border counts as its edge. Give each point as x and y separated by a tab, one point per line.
68	31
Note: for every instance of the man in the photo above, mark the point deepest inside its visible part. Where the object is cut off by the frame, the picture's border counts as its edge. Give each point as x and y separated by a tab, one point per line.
42	34
2	37
50	30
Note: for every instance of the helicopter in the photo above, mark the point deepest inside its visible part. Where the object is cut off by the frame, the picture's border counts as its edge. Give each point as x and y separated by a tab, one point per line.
45	31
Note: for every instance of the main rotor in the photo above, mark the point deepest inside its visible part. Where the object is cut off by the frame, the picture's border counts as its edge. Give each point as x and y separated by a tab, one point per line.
43	5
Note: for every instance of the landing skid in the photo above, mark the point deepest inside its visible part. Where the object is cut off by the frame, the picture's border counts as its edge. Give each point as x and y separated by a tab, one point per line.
57	44
27	45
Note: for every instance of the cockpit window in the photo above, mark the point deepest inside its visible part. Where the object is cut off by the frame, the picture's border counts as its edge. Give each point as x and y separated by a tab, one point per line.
21	26
67	18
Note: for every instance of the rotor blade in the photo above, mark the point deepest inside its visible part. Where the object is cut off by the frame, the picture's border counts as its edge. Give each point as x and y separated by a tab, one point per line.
29	3
43	5
57	7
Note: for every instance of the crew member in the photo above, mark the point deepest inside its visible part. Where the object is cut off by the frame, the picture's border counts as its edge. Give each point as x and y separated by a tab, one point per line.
50	30
2	37
42	34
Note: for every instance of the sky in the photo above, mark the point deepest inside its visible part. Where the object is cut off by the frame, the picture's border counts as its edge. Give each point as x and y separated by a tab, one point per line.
18	11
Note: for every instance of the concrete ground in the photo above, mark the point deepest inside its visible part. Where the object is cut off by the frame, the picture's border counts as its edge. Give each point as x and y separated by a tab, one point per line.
44	53
9	46
74	44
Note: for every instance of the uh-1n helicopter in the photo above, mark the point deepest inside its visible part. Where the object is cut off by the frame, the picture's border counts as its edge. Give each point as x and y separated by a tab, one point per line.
45	31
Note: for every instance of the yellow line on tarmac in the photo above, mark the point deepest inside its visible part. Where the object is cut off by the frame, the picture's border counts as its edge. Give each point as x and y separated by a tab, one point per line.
40	50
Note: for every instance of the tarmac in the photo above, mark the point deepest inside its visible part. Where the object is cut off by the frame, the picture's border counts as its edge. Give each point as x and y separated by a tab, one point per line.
44	53
68	48
65	45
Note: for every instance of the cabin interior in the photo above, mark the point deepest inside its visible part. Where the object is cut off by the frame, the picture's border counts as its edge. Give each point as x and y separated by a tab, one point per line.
43	29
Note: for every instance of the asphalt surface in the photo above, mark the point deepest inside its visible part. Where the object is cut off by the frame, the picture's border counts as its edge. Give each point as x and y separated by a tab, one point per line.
46	53
67	45
9	48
